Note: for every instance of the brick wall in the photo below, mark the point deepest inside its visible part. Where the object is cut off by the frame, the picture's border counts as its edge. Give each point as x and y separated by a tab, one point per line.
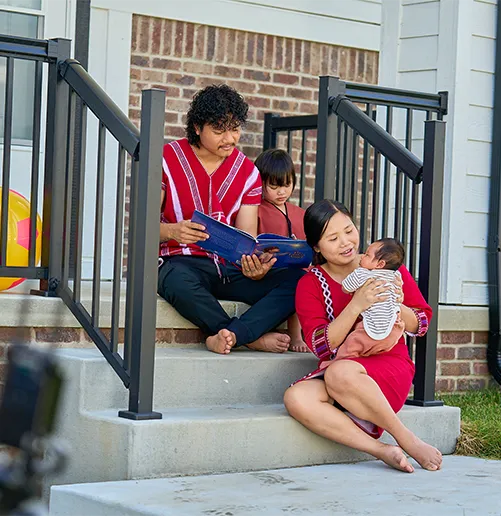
461	361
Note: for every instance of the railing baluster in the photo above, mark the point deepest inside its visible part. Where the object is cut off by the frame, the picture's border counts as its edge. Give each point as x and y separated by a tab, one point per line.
339	135
70	147
375	197
98	228
35	161
117	257
397	229
354	174
77	286
386	176
407	182
7	144
302	179
289	142
364	208
413	242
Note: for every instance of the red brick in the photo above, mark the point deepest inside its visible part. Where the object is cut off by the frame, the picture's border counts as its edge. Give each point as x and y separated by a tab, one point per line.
170	91
140	61
285	78
200	37
211	43
309	82
260	49
179	38
250	48
10	335
279	53
58	334
269	52
156	36
227	71
446	353
164	335
455	337
271	90
144	37
288	55
445	385
308	108
257	75
298	93
480	368
261	102
316	59
471	384
242	87
221	45
171	118
184	80
189	40
470	352
230	49
174	132
454	368
480	337
188	336
152	76
306	62
169	28
166	64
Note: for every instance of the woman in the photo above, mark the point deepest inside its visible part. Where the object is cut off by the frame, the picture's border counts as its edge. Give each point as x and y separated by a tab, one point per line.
352	400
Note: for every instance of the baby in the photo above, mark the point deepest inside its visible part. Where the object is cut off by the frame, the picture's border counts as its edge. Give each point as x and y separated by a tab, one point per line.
278	216
381	326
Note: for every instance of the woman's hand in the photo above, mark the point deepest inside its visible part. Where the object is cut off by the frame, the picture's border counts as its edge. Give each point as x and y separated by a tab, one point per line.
372	291
398	282
253	268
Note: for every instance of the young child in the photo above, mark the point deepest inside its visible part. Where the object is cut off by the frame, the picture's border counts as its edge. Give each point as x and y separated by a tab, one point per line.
381	326
280	217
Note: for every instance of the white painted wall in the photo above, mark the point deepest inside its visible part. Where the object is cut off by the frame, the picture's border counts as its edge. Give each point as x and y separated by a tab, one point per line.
434	45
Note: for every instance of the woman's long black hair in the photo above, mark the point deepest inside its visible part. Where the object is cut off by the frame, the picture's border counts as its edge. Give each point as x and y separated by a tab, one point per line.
316	218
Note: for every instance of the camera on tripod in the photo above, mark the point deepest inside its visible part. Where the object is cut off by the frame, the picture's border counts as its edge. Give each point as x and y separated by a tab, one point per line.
27	419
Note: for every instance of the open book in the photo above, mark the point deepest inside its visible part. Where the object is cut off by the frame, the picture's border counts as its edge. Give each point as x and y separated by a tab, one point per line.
231	243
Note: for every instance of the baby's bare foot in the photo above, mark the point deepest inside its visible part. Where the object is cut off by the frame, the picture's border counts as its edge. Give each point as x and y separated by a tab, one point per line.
427	456
222	342
272	342
395	457
299	346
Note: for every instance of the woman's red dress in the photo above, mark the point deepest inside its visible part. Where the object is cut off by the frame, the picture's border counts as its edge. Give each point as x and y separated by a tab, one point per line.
393	370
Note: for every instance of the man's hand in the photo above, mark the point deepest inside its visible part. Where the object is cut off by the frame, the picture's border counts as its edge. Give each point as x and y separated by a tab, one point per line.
253	268
184	232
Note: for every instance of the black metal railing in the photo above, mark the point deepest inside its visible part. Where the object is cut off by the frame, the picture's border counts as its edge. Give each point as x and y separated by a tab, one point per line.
389	189
60	271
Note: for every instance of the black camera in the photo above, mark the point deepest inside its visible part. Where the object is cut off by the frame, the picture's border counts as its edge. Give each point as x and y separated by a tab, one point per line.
27	418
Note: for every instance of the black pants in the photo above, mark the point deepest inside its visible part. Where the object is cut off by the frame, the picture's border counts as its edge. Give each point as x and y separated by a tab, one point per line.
192	286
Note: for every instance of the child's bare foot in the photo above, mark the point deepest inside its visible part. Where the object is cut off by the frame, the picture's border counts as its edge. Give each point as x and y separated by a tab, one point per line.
299	346
427	456
395	458
272	342
222	342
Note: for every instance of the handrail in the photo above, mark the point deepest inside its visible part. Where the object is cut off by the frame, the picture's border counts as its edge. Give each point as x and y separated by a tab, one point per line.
403	98
294	123
27	48
387	145
100	103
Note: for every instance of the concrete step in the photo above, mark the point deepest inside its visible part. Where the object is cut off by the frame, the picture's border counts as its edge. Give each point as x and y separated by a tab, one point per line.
189	377
465	485
215	439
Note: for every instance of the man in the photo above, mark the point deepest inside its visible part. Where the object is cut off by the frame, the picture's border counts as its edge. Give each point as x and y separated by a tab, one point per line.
205	171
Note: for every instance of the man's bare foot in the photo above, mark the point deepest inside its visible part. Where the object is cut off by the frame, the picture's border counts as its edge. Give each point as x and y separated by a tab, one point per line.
299	346
222	342
395	457
427	456
272	342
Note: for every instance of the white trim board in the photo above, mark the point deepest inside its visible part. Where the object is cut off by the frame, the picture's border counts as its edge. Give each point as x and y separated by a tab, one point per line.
349	23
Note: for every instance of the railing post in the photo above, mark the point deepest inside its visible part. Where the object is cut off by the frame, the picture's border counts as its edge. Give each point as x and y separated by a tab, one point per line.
269	135
327	129
142	270
429	260
55	169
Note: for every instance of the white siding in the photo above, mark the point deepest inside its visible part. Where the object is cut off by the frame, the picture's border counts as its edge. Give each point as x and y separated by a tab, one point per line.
351	23
434	45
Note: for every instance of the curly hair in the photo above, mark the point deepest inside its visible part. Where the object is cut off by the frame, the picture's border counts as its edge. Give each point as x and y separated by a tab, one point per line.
219	106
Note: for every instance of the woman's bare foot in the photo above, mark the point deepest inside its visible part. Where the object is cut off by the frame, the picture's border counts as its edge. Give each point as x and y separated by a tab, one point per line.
272	342
299	346
222	342
427	456
395	458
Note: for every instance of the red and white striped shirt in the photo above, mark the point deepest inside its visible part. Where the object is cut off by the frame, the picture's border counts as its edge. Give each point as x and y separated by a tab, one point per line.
187	187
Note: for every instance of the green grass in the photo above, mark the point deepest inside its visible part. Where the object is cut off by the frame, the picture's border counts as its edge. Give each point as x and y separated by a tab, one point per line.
480	422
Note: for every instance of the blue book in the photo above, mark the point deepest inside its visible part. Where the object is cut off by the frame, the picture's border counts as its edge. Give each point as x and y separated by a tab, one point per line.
231	243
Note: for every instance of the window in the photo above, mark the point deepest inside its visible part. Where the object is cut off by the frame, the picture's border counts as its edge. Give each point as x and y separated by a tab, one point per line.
20	18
